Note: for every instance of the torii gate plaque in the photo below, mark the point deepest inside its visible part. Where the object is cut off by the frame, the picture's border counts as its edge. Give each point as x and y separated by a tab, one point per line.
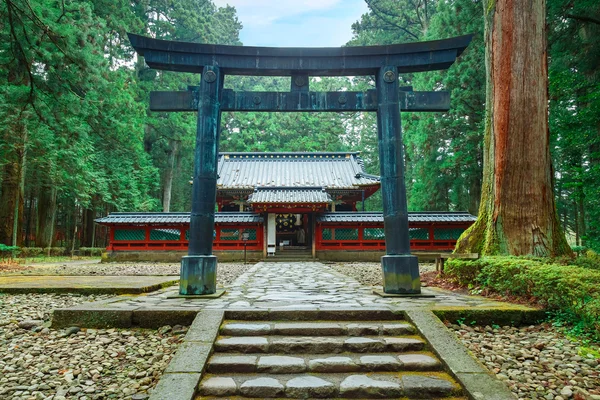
400	268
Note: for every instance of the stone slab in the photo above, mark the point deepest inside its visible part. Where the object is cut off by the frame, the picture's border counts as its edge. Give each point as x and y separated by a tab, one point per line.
155	318
364	344
180	386
205	327
419	386
242	344
381	293
223	363
190	357
91	318
380	363
333	365
306	344
483	386
281	364
403	344
363	386
218	293
218	386
304	387
81	284
245	329
262	388
419	362
308	328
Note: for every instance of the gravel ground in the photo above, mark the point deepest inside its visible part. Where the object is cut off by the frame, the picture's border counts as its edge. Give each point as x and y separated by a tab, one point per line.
369	273
537	362
41	363
227	272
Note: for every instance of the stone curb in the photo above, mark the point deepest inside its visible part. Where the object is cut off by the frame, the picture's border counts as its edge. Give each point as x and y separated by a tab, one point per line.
89	290
182	376
478	382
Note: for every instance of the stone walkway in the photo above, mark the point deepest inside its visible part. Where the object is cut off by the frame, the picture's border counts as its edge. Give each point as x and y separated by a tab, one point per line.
295	285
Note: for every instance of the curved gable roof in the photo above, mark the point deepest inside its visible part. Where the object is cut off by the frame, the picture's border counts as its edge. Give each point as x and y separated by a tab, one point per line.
337	170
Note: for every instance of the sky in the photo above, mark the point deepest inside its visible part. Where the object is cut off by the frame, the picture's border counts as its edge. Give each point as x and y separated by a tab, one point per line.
296	23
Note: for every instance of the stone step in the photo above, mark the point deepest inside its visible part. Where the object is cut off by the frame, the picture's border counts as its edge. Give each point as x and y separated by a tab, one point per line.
325	363
318	344
371	386
321	328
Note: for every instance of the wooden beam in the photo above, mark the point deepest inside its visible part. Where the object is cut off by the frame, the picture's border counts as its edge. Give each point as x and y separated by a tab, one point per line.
300	101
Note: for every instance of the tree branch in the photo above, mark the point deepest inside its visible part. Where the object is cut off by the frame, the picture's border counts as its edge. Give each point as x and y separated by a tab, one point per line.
584	18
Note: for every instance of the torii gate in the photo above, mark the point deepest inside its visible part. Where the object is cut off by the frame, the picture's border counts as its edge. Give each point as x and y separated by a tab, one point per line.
400	268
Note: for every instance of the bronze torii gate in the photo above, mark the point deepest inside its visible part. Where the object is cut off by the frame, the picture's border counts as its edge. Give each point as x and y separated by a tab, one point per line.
400	268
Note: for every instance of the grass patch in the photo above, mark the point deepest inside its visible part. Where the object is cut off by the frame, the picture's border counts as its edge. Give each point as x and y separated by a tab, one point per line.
569	290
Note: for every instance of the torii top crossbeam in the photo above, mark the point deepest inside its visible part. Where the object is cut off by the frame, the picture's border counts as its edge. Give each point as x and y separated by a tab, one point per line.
325	61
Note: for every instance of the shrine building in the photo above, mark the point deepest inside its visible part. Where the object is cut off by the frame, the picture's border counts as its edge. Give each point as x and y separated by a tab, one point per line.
284	206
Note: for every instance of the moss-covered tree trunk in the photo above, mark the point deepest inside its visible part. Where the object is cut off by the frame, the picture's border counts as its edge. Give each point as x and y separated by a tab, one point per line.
517	213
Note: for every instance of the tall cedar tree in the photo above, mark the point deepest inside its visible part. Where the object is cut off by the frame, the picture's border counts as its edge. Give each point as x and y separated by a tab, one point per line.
517	215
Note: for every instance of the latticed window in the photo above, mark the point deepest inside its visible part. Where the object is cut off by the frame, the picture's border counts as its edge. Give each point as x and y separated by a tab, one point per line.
418	233
164	234
374	234
251	233
346	234
130	234
448	234
327	234
230	234
187	234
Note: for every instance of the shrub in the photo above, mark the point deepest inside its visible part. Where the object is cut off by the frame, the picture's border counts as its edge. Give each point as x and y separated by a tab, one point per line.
55	251
568	288
31	251
9	251
91	251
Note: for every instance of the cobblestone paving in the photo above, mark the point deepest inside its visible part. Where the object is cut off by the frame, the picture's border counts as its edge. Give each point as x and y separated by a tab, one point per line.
296	285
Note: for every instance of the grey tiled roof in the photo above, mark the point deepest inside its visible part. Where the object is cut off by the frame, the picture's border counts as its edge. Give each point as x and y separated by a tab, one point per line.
287	195
412	217
156	218
322	170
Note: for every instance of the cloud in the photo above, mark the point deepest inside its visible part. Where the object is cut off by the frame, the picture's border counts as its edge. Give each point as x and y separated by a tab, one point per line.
264	12
296	23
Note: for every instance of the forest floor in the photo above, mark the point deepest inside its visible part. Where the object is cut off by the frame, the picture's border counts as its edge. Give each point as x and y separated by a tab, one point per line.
39	362
227	271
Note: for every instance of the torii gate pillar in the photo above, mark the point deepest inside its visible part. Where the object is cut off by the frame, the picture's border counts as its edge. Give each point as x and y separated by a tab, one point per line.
198	274
400	268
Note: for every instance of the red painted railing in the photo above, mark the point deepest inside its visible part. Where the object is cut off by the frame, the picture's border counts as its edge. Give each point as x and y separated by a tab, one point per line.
436	237
145	238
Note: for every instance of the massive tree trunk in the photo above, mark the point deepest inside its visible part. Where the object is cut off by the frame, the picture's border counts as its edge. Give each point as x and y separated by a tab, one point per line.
46	216
517	214
11	200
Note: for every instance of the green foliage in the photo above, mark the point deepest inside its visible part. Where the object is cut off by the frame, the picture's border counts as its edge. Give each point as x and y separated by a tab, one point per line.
55	251
9	251
571	290
28	252
91	251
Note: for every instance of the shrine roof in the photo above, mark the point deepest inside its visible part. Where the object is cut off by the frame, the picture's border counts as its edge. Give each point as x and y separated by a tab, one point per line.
279	195
333	170
432	216
168	218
